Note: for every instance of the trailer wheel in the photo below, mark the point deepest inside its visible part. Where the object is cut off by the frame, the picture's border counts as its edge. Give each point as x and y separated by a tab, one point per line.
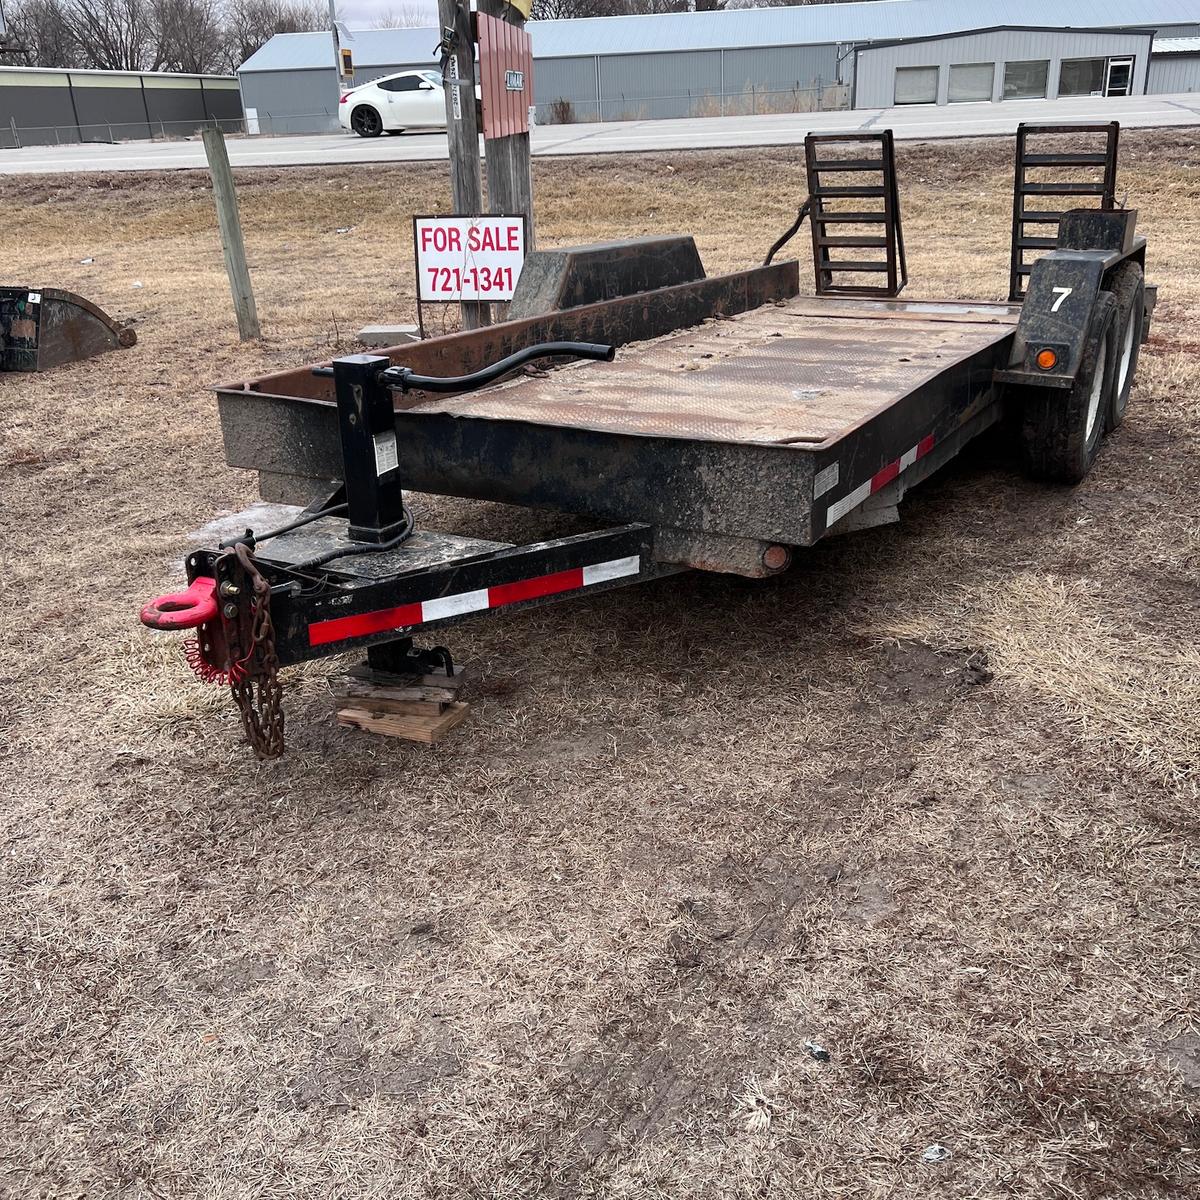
1128	286
1061	431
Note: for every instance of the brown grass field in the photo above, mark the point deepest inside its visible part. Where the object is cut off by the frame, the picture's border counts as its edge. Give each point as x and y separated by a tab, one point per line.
578	949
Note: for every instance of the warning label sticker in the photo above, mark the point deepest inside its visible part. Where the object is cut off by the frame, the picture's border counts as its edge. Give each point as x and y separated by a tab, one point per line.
386	455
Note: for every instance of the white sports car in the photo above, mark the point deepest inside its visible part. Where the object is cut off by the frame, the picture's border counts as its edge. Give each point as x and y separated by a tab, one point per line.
408	100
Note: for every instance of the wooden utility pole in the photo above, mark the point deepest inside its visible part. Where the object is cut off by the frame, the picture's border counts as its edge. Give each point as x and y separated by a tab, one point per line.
462	131
230	223
509	175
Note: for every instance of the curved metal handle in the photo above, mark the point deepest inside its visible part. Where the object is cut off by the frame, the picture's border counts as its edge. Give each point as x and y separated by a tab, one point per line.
183	610
406	380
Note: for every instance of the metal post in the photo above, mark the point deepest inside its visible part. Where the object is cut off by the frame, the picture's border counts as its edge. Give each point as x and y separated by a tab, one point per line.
462	132
370	463
225	197
509	174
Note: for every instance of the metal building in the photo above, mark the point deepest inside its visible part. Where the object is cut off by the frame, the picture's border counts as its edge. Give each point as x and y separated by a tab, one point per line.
697	64
1004	63
46	107
1174	66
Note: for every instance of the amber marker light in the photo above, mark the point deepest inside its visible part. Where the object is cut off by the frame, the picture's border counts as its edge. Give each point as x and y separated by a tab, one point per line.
1047	360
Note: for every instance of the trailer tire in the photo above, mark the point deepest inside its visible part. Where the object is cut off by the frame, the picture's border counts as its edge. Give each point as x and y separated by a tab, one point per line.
1062	430
1128	286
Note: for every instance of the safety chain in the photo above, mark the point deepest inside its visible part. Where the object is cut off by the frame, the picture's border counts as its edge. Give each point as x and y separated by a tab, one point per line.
256	688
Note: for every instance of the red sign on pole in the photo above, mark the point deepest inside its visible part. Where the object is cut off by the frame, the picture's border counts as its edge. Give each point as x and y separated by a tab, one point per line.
505	76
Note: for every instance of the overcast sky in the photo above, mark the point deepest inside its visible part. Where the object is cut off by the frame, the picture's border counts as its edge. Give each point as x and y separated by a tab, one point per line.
364	12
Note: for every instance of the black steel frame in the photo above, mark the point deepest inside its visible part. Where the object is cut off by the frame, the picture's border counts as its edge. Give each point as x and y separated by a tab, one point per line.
886	191
1049	219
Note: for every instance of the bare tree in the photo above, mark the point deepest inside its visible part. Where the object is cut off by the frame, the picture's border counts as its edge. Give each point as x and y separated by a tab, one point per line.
250	24
39	36
191	34
405	16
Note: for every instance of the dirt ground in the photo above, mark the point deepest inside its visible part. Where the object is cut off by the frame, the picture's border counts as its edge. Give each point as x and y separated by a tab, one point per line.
927	803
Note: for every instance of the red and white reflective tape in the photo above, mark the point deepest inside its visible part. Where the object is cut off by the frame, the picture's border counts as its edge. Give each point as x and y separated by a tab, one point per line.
839	508
382	620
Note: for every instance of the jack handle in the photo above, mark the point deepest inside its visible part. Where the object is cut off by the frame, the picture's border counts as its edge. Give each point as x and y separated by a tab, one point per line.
805	208
183	610
404	379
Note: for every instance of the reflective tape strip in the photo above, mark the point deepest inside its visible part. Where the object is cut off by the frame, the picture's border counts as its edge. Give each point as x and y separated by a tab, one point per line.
619	568
885	475
403	616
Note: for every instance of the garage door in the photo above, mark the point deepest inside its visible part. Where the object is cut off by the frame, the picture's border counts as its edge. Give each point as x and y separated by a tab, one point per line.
916	85
971	81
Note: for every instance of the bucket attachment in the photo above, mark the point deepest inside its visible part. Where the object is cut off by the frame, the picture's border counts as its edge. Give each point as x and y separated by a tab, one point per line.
46	328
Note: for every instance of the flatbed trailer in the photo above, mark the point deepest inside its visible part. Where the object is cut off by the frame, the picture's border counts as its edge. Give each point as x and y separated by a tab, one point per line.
739	423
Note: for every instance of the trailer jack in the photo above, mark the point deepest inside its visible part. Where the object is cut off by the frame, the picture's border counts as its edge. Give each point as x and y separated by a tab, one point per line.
229	598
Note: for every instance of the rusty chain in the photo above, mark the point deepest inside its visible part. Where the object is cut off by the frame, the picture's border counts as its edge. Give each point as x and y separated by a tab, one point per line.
256	688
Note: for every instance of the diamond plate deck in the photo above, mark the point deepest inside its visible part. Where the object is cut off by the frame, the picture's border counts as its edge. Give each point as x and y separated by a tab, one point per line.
799	372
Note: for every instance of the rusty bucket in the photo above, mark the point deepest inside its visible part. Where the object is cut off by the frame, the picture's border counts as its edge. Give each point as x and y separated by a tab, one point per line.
46	327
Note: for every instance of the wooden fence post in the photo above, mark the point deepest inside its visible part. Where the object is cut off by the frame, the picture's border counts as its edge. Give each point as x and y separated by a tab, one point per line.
230	223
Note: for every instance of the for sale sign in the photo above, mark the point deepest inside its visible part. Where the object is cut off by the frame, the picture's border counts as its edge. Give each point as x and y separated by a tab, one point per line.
468	258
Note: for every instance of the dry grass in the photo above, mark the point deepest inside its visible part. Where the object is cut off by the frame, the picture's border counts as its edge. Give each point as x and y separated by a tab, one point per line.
579	949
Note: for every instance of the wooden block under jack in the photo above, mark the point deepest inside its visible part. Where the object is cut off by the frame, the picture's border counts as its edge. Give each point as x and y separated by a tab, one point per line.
368	674
366	692
412	727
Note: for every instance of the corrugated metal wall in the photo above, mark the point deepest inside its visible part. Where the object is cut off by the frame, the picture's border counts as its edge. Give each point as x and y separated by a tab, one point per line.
64	107
291	101
876	68
571	81
1174	73
618	87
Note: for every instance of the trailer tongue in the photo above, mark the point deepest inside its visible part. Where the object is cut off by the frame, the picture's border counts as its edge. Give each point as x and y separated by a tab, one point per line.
738	423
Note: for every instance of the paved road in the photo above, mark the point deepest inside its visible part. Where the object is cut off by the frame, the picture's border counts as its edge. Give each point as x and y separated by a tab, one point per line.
623	137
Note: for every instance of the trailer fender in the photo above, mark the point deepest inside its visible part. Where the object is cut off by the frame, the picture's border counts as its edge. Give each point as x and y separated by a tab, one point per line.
1052	334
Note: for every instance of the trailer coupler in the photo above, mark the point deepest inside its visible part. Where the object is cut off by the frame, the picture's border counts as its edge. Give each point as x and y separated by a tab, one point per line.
234	643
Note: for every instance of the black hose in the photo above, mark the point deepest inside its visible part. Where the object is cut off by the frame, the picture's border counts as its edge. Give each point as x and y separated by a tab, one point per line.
406	380
791	233
320	560
253	538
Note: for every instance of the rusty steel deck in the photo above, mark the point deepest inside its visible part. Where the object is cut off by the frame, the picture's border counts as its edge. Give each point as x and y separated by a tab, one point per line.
795	373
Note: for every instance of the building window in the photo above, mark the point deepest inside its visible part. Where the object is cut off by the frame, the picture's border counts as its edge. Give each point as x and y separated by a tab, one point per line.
1026	80
916	85
971	81
1082	76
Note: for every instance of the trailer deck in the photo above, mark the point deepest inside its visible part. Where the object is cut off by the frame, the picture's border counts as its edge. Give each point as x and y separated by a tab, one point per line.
801	372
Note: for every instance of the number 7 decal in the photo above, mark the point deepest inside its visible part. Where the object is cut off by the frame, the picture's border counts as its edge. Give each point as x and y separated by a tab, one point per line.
1062	293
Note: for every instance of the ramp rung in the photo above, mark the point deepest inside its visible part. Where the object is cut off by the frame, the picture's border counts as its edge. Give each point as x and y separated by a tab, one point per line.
850	218
849	164
1037	243
854	266
1065	160
1062	189
850	193
1041	218
863	243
